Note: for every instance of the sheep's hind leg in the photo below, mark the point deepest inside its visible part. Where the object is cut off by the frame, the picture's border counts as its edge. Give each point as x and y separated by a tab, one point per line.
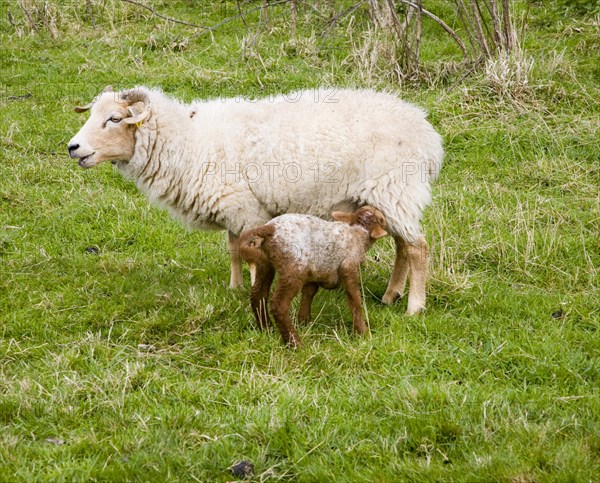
259	296
418	259
397	281
308	294
237	280
286	290
350	277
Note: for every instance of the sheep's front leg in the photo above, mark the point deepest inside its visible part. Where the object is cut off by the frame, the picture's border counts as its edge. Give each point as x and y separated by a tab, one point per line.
286	290
350	277
237	280
259	295
397	282
418	259
308	294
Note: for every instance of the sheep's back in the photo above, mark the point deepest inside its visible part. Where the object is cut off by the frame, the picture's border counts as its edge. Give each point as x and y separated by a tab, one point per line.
310	150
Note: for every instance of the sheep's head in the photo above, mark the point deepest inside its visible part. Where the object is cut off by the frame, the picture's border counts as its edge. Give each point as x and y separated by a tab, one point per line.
371	219
109	133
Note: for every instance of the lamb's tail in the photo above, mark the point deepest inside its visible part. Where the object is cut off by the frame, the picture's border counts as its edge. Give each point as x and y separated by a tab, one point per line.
251	243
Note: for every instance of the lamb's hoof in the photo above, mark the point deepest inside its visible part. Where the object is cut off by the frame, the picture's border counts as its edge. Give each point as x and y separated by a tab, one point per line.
294	342
235	284
390	297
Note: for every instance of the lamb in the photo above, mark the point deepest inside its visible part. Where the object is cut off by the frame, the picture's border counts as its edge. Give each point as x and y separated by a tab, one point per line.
307	253
235	164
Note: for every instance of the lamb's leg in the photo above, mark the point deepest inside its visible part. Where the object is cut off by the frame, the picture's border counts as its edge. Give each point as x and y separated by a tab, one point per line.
259	294
350	277
237	280
286	290
397	282
308	294
418	259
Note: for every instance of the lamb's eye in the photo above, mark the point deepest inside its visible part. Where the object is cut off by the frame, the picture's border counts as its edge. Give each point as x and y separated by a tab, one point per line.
115	119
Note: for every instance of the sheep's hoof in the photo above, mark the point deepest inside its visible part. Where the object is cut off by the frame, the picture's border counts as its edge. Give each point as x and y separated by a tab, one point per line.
415	310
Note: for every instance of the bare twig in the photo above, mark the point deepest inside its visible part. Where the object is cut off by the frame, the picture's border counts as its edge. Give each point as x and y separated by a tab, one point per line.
466	74
508	27
463	15
479	28
90	11
441	24
262	7
383	13
498	38
154	12
11	19
45	18
333	22
205	29
264	13
483	22
31	22
418	33
406	50
239	7
406	23
293	18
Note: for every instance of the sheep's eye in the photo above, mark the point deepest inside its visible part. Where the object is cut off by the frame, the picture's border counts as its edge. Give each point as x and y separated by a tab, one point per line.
115	119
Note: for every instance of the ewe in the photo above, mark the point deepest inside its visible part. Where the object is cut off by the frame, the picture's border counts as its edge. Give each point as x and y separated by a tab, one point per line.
235	164
307	253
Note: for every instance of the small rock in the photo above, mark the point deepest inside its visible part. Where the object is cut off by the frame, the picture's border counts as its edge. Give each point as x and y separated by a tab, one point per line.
56	441
92	250
242	469
558	314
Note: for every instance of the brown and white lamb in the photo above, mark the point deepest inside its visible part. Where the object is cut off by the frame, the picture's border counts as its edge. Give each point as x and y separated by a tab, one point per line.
307	253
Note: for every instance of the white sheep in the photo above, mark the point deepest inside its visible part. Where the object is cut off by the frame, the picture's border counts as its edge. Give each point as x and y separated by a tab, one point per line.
235	164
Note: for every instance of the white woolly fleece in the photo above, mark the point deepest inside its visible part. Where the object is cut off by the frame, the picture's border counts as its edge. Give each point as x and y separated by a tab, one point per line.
236	164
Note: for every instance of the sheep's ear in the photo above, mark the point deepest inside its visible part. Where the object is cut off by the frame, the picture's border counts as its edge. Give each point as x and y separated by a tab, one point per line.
138	112
342	216
378	232
107	89
83	108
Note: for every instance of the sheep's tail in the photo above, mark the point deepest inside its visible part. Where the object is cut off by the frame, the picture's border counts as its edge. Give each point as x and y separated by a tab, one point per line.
436	155
251	244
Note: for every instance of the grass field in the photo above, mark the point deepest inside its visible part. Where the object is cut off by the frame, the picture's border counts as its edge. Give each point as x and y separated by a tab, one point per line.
125	357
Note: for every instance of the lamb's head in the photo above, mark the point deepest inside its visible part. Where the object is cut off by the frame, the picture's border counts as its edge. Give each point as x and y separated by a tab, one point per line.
109	133
371	219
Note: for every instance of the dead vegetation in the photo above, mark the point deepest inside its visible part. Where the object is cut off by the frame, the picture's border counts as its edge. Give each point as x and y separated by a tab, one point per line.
390	40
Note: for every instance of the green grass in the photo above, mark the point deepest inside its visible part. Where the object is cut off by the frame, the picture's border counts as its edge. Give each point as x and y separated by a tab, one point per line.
124	357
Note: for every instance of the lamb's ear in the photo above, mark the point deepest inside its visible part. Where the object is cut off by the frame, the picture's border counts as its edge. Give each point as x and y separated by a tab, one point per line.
138	113
83	108
255	241
343	216
378	232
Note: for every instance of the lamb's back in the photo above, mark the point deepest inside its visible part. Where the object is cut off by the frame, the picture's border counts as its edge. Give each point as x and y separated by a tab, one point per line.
312	244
